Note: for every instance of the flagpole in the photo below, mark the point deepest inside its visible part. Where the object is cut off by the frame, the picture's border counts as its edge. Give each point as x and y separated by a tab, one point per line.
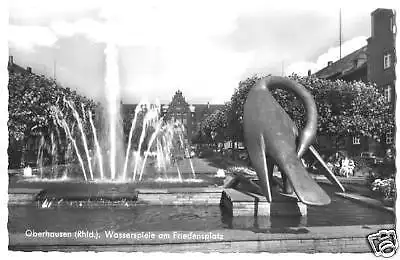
340	33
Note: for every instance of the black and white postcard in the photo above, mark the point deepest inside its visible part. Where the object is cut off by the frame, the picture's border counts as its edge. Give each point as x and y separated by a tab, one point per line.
200	126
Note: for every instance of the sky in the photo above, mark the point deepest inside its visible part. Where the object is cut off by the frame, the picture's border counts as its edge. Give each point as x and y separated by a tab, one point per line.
203	48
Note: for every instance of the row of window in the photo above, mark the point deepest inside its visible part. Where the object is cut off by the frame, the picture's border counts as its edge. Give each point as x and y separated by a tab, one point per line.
388	138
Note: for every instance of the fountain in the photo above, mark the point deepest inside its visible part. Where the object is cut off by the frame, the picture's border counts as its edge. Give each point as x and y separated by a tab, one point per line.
112	96
157	134
99	151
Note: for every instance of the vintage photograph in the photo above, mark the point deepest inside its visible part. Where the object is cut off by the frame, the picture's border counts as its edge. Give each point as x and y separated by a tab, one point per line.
201	126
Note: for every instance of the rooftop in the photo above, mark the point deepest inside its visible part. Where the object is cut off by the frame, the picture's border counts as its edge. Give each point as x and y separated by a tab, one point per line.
348	64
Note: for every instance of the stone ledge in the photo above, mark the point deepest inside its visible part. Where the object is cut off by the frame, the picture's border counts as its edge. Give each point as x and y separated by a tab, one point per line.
180	190
24	191
193	198
22	196
105	195
165	197
240	203
180	196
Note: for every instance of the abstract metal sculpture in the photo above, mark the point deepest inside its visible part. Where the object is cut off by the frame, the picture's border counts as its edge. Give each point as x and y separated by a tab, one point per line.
272	138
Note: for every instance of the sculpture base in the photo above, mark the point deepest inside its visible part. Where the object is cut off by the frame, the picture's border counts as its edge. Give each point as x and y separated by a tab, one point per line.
242	203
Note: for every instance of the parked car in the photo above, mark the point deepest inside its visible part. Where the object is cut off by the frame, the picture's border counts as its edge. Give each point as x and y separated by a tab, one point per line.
370	157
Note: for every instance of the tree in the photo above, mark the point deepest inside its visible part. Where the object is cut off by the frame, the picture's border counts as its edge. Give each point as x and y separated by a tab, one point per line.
31	98
349	108
344	109
213	128
198	138
234	109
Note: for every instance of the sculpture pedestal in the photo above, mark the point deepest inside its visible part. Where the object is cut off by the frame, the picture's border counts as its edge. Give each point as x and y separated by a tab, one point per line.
243	203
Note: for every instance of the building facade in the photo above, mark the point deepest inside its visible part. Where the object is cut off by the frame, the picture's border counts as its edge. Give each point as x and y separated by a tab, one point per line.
381	52
178	109
375	62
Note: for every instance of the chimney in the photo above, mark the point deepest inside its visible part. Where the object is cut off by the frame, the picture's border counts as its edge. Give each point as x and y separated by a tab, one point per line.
309	73
330	63
11	60
29	69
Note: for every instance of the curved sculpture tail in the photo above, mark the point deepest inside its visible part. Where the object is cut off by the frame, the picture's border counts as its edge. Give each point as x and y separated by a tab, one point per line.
307	135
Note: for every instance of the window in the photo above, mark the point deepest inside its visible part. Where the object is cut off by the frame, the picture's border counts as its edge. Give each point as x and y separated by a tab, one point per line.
372	26
386	61
356	140
389	137
391	24
388	93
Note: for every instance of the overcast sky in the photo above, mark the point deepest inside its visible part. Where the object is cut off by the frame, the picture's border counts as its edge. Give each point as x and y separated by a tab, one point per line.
203	48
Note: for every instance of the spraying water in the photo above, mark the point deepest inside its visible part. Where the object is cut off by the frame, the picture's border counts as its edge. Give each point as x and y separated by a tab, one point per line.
153	137
98	148
179	173
83	136
69	151
40	156
169	139
112	95
161	158
161	161
149	118
64	125
76	150
128	148
192	168
54	153
142	135
83	113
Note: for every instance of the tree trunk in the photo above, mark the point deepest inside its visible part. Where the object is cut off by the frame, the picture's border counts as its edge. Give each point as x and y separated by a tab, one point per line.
233	150
23	153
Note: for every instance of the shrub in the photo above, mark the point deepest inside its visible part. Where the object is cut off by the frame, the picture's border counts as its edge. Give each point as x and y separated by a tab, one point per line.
385	188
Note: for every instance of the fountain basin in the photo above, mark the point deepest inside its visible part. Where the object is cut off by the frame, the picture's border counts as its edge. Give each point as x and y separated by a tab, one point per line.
86	201
341	226
115	196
